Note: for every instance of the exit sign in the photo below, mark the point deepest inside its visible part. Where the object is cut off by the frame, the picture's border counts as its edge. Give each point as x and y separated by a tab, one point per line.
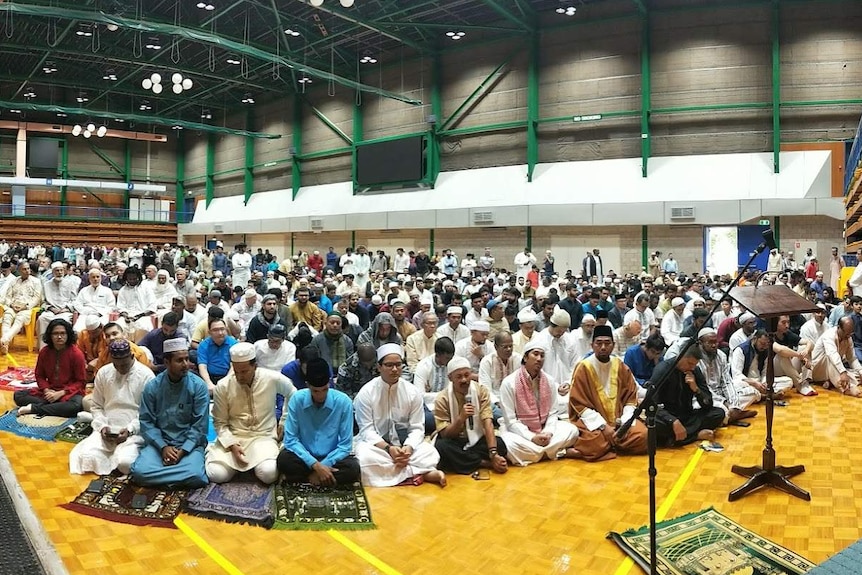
763	223
590	118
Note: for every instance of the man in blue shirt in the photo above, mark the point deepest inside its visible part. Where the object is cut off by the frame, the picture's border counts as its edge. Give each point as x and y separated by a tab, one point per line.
318	434
642	359
214	353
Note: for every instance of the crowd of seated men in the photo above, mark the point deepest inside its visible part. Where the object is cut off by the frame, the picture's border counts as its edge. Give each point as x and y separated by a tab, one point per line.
330	369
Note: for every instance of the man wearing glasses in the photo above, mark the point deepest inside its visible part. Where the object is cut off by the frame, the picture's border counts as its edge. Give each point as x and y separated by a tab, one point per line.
391	444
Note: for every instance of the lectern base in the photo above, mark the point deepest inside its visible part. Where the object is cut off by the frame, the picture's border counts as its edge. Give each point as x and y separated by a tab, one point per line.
777	477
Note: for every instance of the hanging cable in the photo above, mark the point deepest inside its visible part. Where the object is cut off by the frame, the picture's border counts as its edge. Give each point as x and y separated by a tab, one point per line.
96	39
175	41
358	99
330	87
276	66
138	39
9	28
243	68
211	57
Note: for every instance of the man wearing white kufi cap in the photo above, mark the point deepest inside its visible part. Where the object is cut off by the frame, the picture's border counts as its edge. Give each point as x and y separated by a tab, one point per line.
94	299
560	355
59	294
532	429
527	322
244	419
465	431
672	322
716	370
453	328
174	418
476	346
748	324
391	444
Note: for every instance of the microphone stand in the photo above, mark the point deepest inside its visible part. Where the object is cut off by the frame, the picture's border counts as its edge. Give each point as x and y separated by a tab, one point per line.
651	407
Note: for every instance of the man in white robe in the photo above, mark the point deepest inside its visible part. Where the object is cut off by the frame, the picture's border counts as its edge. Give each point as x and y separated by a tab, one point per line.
391	444
244	419
94	300
834	362
453	328
716	371
420	344
163	291
748	369
116	398
497	366
59	296
559	357
476	347
275	351
532	428
136	303
815	327
672	322
241	267
20	297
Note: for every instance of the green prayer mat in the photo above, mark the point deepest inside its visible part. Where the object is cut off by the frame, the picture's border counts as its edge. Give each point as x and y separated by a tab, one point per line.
301	506
708	543
75	433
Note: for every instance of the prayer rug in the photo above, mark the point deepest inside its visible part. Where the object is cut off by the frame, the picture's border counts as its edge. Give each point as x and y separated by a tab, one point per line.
16	378
75	433
114	503
301	506
847	561
248	502
33	426
707	542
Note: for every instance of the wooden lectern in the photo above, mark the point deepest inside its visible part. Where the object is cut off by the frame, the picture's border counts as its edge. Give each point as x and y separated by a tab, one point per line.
769	303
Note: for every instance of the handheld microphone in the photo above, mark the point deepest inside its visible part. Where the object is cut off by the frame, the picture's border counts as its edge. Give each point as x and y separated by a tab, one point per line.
469	400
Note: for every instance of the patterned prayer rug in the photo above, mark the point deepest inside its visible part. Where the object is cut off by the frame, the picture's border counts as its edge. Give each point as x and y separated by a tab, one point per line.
114	503
304	506
248	502
75	433
33	426
707	542
16	378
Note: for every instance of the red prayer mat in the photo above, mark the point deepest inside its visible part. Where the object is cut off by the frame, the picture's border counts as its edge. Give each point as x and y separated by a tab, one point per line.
17	378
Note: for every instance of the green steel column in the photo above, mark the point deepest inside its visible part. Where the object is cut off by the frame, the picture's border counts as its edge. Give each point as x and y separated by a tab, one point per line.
127	170
776	230
431	243
437	113
358	136
644	246
776	88
296	162
249	156
64	171
180	197
353	239
210	181
533	107
646	93
292	243
530	238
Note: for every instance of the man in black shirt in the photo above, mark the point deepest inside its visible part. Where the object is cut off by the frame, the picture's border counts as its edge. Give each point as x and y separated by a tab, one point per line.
680	421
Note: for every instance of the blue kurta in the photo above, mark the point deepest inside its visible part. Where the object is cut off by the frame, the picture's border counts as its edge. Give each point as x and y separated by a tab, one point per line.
641	366
322	433
177	415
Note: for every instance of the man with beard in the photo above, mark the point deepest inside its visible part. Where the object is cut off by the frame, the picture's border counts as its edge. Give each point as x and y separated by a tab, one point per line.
465	432
716	370
265	320
748	368
59	299
604	396
136	304
21	296
686	412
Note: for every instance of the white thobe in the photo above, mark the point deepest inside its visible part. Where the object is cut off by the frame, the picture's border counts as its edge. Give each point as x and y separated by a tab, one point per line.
241	269
492	372
245	415
362	265
646	318
832	357
524	263
116	399
418	347
98	301
348	264
518	437
401	263
738	338
465	349
671	327
61	295
745	391
134	301
426	382
389	413
724	392
246	313
811	330
455	335
274	358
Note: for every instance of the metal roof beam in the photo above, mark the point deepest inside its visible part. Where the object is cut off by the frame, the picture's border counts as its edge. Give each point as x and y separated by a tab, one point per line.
513	18
7	105
197	36
43	59
443	25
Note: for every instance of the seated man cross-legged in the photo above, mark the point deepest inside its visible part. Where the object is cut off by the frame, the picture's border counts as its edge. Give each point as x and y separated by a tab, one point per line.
116	440
391	444
465	431
318	433
174	417
244	419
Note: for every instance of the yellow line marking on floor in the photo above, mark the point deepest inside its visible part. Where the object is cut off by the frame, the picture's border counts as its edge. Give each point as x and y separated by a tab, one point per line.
627	563
365	555
11	360
220	559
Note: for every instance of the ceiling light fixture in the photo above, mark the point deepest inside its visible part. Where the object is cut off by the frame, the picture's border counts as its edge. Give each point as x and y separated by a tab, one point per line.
85	31
29	92
49	68
154	43
62	115
110	75
112	27
319	3
248	99
206	115
291	32
206	6
567	10
145	106
456	35
176	127
82	98
233	60
368	59
305	80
